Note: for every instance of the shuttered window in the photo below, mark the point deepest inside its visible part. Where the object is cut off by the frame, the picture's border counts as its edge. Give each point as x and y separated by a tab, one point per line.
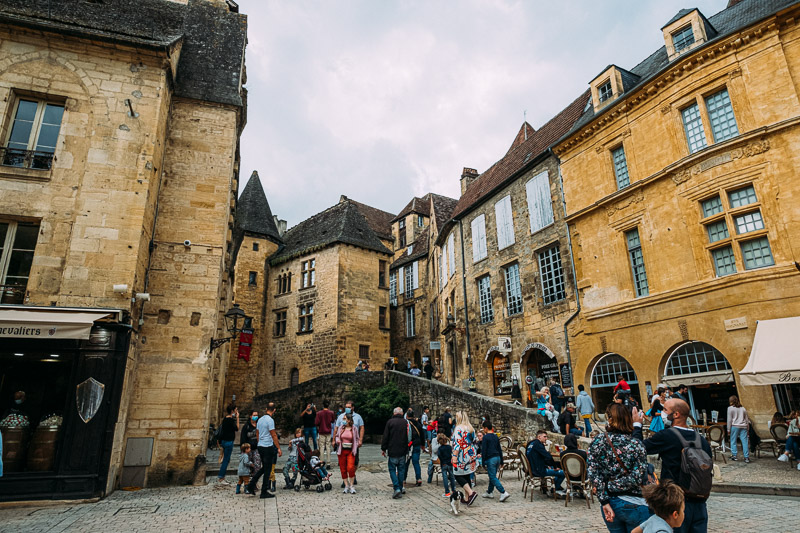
540	204
478	238
505	223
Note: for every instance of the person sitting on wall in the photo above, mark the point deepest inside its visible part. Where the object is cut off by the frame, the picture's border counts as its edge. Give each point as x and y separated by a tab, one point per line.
566	421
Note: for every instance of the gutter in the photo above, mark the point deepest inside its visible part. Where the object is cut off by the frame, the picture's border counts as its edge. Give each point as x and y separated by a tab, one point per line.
574	277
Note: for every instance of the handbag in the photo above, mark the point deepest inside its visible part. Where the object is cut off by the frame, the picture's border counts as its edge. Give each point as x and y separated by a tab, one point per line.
649	477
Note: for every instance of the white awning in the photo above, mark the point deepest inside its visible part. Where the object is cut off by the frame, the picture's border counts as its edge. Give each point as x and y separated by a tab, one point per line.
44	323
775	357
699	378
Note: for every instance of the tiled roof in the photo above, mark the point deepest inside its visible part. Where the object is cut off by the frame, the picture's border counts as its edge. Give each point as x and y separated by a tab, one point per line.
253	214
211	34
525	131
380	221
726	22
342	223
416	205
443	207
518	157
420	249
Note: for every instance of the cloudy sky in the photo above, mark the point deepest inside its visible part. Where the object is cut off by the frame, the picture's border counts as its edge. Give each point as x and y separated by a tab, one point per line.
382	100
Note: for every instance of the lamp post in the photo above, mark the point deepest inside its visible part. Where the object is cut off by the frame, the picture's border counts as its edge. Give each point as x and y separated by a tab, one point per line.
234	322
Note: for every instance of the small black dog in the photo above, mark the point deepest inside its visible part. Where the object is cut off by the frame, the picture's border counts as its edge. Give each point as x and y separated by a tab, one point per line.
456	498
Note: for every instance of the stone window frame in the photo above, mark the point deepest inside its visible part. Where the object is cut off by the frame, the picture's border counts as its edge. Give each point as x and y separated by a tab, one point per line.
514	306
540	202
255	246
381	274
305	318
42	100
680	38
478	236
308	273
611	77
552	275
694	19
704	125
283	283
252	278
363	352
382	317
410	322
15	293
636	262
504	222
620	164
484	285
420	221
401	232
721	212
280	320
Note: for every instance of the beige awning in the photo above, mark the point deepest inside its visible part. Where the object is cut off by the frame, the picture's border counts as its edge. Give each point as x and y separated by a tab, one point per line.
775	357
700	378
42	323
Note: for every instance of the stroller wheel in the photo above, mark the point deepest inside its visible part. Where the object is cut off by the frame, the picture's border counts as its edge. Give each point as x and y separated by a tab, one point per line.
297	488
307	485
320	488
328	486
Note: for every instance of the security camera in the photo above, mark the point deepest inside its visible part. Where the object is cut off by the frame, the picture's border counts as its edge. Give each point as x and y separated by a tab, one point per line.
187	242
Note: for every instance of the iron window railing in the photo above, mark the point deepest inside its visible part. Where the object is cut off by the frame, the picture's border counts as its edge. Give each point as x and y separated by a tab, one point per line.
33	159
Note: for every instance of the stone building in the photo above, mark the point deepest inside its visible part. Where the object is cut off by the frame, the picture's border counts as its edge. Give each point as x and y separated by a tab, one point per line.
118	179
681	187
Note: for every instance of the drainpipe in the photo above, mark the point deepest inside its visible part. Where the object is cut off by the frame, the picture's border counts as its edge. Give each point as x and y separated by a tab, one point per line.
464	286
574	278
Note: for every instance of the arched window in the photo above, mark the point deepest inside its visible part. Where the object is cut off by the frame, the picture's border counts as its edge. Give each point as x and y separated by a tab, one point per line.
609	367
294	377
696	358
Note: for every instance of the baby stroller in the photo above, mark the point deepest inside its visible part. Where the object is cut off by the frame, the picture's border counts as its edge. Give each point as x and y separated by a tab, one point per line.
308	476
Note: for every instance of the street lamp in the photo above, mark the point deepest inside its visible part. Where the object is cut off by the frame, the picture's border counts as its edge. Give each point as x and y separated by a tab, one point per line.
233	318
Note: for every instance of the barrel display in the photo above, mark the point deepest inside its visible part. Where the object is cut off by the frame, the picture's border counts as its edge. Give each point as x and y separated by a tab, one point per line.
15	442
42	449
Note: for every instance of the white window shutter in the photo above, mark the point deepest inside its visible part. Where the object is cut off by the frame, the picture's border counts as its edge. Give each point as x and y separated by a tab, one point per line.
451	248
444	266
416	275
401	279
476	240
509	221
500	222
540	205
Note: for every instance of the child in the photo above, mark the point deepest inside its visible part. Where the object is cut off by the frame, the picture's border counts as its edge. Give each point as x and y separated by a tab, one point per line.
291	461
318	466
666	500
434	458
445	454
245	468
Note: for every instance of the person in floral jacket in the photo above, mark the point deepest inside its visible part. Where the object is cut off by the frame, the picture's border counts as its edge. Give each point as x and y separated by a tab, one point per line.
465	456
617	467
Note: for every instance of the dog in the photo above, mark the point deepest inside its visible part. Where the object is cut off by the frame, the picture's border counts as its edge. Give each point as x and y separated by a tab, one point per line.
455	499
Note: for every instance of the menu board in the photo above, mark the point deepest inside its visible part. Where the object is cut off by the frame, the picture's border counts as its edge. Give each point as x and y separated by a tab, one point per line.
566	376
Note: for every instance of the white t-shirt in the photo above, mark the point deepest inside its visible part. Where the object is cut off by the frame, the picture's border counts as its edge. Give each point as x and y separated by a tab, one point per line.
264	426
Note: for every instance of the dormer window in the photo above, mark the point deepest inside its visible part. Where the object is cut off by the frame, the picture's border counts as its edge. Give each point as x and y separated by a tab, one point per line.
612	83
683	38
604	92
687	30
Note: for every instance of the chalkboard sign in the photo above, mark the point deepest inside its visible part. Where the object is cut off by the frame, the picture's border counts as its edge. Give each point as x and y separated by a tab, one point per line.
566	376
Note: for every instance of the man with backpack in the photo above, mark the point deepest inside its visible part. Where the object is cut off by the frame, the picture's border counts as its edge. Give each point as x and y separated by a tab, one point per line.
685	459
396	444
445	423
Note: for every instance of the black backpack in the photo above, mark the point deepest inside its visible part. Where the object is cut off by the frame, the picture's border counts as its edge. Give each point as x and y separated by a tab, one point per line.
696	467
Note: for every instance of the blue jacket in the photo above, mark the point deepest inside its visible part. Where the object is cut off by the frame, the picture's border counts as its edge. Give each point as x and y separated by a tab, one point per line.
539	458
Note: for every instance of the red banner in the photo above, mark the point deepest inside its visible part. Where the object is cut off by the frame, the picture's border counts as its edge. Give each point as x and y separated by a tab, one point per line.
245	341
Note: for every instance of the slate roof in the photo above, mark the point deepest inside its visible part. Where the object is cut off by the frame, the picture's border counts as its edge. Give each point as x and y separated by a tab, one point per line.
417	205
379	221
516	159
443	207
419	250
724	23
214	38
342	223
253	214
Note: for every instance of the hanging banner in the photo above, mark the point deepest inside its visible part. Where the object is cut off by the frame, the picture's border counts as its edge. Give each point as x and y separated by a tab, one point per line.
245	342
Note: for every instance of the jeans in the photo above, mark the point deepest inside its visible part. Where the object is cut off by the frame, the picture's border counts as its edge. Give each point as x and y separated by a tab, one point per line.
431	465
588	426
268	457
227	448
695	518
558	475
739	434
325	447
414	461
793	446
311	433
448	479
576	431
492	464
288	468
626	515
397	471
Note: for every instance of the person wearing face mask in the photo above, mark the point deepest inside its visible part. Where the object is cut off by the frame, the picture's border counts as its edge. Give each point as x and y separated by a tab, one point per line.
358	424
249	435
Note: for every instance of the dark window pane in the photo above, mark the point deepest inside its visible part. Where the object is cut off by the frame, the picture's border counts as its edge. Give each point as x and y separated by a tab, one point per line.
19	266
53	114
48	135
26	237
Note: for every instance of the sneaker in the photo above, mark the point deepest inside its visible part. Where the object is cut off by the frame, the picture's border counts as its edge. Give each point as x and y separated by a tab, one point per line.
487	495
783	458
747	460
221	481
505	496
734	459
419	483
249	491
397	495
267	495
561	493
472	499
346	490
342	484
798	466
446	495
352	490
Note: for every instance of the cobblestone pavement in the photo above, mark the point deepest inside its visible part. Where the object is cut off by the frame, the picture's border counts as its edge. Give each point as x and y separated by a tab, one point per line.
213	509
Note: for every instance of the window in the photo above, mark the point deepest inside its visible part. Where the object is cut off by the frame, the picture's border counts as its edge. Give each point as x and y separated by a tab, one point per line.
306	318
420	221
720	116
17	245
513	290
620	167
683	38
381	273
451	259
280	323
393	288
307	273
540	204
745	219
607	370
485	299
505	223
410	327
294	377
443	267
409	272
553	287
478	238
637	262
255	246
402	232
696	358
284	283
693	124
252	280
604	91
402	223
34	132
363	352
381	317
434	317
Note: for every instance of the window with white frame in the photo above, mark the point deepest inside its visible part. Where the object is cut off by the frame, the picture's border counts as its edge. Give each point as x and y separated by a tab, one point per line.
540	204
693	126
620	167
410	325
513	290
393	288
420	221
443	269
683	38
478	226
409	281
696	358
451	258
485	299
608	369
505	223
33	134
604	91
719	113
307	269
552	274
637	262
17	245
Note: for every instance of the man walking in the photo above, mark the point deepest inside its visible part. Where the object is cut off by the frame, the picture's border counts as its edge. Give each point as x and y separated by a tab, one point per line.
556	395
428	369
395	443
585	407
269	449
682	393
358	423
324	422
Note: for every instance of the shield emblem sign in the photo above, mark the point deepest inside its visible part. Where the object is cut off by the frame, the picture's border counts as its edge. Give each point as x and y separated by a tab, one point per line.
89	396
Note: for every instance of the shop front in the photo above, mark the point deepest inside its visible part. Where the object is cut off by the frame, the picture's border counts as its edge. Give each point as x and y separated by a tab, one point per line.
605	376
775	361
61	373
501	374
540	365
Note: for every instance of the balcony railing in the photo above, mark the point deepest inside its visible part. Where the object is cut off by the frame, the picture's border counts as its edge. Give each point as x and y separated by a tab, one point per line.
37	160
12	294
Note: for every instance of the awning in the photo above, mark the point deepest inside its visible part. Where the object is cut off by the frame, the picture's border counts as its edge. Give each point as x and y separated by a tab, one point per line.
699	378
44	323
775	357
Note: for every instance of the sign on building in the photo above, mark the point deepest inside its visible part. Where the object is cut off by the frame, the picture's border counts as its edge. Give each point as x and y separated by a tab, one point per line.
504	344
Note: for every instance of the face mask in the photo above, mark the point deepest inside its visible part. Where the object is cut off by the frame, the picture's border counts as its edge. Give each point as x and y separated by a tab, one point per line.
671	416
18	402
347	410
255	418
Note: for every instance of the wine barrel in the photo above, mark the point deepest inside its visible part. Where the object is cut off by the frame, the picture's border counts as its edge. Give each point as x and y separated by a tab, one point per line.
42	449
15	441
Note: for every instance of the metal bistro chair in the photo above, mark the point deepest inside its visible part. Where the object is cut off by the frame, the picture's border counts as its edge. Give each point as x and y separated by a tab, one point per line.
575	467
531	482
780	432
716	438
767	445
510	457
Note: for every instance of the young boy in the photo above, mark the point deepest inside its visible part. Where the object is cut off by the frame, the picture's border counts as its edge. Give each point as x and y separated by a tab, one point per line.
666	500
245	469
445	454
318	466
291	461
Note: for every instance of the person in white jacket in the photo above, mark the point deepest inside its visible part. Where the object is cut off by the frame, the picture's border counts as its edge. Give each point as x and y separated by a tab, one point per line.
738	426
585	407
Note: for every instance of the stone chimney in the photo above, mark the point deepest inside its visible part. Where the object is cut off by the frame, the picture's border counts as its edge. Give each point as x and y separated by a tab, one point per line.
280	224
467	177
343	198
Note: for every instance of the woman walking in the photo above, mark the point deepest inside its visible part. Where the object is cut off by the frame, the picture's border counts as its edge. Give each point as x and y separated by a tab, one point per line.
228	429
617	465
249	436
738	425
656	407
417	445
347	449
465	460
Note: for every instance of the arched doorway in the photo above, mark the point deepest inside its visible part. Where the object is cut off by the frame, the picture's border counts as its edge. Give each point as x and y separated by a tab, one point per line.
605	377
501	374
708	375
540	363
294	377
418	358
